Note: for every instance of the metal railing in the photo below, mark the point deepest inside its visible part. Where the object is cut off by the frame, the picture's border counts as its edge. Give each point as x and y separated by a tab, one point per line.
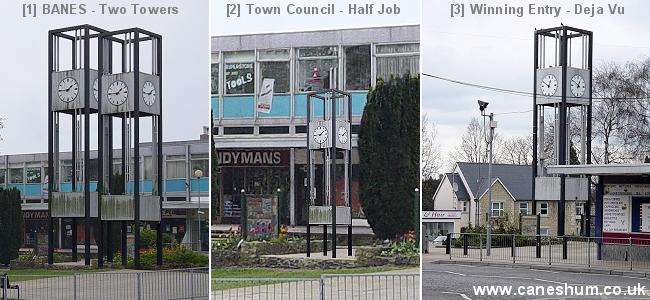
391	286
591	252
167	284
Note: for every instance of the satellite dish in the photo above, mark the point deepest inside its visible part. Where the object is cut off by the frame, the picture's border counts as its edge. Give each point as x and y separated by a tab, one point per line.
455	185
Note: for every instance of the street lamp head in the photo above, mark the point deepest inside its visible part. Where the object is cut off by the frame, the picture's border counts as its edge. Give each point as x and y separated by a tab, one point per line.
198	173
482	105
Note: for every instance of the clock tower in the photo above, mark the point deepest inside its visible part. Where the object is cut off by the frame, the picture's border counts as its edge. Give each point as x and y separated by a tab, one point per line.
561	96
329	114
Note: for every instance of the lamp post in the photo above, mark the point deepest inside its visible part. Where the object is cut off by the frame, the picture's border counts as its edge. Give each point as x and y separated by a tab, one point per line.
198	174
493	124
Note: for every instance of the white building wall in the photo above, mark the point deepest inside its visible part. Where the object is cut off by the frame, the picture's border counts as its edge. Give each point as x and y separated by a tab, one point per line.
444	198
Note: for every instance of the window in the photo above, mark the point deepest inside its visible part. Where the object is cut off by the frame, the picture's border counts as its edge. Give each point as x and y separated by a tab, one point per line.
214	78
580	209
314	67
239	72
201	162
33	175
543	208
397	60
148	168
543	231
497	209
523	208
16	175
175	166
214	74
357	67
279	71
3	179
465	206
66	171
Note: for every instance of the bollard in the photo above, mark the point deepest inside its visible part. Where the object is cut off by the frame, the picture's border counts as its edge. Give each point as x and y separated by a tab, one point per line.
448	248
564	247
465	244
512	246
538	248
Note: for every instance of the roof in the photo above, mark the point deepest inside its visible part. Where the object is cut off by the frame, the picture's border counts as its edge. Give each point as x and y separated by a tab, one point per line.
461	194
610	169
516	178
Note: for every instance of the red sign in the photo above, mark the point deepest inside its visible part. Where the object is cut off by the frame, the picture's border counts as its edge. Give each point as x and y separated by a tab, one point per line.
253	158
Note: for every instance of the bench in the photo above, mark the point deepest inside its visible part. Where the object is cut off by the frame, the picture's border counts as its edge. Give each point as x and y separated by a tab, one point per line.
5	278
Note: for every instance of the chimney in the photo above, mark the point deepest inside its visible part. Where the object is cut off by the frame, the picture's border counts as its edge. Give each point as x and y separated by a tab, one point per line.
206	134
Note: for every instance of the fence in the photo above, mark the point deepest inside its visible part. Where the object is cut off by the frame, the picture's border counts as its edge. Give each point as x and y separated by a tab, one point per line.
392	286
591	252
168	284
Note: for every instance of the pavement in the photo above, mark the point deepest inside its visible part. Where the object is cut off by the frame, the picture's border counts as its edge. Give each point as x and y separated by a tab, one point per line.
392	285
122	284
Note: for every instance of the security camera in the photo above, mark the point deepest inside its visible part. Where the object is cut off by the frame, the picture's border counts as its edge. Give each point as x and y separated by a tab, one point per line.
482	105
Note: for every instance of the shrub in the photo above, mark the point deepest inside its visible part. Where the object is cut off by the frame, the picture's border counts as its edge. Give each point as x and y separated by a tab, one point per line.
11	224
173	258
389	157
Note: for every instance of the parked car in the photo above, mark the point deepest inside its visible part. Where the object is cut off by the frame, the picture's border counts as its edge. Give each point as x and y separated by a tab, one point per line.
439	241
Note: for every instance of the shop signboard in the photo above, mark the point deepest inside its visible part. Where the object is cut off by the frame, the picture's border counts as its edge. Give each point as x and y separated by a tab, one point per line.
253	158
616	213
441	214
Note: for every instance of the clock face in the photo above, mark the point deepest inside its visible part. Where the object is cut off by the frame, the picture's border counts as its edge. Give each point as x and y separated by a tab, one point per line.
320	134
96	89
149	93
578	86
68	89
118	93
549	85
343	135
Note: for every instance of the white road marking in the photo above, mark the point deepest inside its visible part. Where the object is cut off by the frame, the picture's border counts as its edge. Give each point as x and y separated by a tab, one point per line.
459	294
454	273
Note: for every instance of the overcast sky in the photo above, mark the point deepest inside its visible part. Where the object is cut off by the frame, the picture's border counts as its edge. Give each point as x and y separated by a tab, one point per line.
221	25
23	61
498	51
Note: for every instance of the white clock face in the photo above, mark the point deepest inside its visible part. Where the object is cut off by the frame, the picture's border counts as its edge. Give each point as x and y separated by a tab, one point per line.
149	93
68	89
96	89
578	86
549	85
117	93
320	134
342	134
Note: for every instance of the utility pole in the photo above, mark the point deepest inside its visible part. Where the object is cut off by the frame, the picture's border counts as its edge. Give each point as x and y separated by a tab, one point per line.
482	106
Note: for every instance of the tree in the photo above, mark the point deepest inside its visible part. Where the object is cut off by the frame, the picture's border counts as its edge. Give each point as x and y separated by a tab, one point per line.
429	187
516	150
11	224
474	146
431	156
389	155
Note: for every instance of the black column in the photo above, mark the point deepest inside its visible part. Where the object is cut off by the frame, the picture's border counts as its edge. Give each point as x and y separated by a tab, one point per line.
159	254
535	116
87	146
136	149
50	152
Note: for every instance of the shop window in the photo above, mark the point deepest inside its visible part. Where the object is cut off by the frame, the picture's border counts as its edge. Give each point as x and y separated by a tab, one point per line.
278	70
397	60
3	178
523	208
16	175
301	129
33	175
274	129
497	209
543	208
175	166
214	79
314	67
357	67
239	73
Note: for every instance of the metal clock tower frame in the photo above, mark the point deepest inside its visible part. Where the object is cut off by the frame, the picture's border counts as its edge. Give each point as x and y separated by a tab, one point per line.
134	205
70	84
333	125
562	85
